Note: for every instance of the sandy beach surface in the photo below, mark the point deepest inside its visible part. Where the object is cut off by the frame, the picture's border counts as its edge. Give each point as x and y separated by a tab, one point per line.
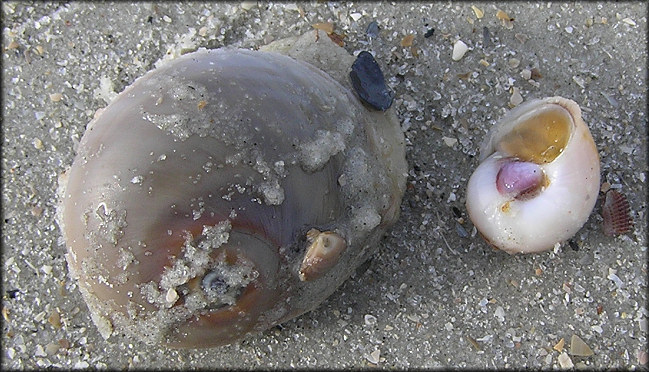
435	295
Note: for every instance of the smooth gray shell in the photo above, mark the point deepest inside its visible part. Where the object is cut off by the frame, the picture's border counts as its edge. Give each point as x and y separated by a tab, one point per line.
197	193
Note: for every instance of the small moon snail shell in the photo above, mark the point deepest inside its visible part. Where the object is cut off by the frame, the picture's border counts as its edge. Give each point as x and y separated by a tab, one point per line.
538	179
228	191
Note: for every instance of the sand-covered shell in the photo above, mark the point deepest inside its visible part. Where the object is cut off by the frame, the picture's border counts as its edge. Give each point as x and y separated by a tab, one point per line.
538	178
227	191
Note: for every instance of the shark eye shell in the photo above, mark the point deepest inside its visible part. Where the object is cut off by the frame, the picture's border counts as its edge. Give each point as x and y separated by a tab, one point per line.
187	208
538	179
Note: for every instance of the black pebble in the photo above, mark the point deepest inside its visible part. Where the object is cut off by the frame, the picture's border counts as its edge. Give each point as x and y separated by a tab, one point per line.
372	29
369	83
429	33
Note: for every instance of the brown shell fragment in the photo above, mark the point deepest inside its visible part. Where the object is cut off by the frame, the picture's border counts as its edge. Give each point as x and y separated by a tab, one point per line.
616	213
407	40
505	19
338	39
326	27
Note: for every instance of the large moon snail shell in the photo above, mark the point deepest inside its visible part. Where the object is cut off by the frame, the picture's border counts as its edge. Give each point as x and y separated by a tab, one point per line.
538	179
228	191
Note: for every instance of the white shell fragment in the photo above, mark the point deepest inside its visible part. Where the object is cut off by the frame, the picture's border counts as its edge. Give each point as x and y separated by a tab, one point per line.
564	361
579	348
538	179
187	208
459	50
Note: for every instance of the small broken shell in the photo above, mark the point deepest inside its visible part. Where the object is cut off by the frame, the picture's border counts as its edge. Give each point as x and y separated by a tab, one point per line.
187	208
579	348
323	252
538	179
616	214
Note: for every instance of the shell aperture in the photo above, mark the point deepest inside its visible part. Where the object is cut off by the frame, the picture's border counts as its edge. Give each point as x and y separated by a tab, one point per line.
538	179
187	210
